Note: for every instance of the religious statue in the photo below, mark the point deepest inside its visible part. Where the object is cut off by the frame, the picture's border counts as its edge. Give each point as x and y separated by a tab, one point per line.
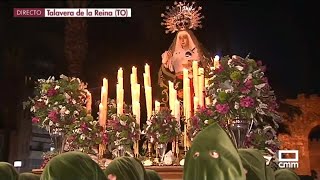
181	18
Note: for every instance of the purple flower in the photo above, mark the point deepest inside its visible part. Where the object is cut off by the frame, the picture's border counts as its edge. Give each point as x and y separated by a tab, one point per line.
246	102
53	116
222	108
245	90
35	120
51	92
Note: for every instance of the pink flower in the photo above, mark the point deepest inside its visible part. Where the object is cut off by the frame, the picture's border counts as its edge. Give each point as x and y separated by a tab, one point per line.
53	116
245	90
222	108
249	84
218	70
246	102
52	92
35	120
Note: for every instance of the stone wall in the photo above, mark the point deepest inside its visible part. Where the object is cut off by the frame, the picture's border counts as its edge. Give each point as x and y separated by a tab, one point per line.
299	127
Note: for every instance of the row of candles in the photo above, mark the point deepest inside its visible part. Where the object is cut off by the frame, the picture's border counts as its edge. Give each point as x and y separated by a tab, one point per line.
199	84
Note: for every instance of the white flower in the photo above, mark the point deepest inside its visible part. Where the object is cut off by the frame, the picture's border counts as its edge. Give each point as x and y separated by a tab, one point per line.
230	62
62	110
74	101
57	87
259	86
236	105
228	90
82	136
240	68
33	109
46	101
50	123
117	134
67	95
76	113
149	123
206	121
67	112
123	123
248	77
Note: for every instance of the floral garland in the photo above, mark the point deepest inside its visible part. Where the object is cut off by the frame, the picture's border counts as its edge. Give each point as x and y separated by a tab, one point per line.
58	103
162	127
239	89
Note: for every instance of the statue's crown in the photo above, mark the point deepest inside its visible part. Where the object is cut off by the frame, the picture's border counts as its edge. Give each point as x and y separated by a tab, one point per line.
182	16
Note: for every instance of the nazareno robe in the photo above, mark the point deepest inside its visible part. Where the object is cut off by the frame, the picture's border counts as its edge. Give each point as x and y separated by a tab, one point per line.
213	156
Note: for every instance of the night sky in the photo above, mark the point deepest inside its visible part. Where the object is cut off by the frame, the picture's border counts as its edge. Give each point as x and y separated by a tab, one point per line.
283	36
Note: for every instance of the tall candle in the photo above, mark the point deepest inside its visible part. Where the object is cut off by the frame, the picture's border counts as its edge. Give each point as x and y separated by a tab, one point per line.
156	106
171	97
195	104
201	87
134	74
147	71
185	85
216	62
102	115
195	77
104	92
89	102
148	91
120	98
177	110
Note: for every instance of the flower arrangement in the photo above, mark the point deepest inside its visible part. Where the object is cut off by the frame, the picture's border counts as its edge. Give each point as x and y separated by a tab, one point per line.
264	138
57	104
122	129
203	117
86	135
162	127
239	89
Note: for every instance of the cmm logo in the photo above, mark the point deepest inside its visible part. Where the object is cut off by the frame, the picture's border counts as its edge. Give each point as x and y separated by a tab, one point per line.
288	162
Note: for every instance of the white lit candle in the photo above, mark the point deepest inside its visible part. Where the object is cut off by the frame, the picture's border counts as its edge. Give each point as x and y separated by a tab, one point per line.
216	62
148	91
195	77
89	102
147	72
102	115
157	106
195	104
201	87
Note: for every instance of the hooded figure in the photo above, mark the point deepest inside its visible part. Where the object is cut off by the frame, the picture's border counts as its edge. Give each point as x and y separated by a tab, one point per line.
28	176
286	174
254	162
8	172
153	175
213	156
125	168
72	165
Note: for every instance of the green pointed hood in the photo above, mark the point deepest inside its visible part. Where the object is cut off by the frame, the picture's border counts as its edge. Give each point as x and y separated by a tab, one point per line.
286	174
126	168
254	162
213	156
72	165
153	175
28	176
269	173
8	172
